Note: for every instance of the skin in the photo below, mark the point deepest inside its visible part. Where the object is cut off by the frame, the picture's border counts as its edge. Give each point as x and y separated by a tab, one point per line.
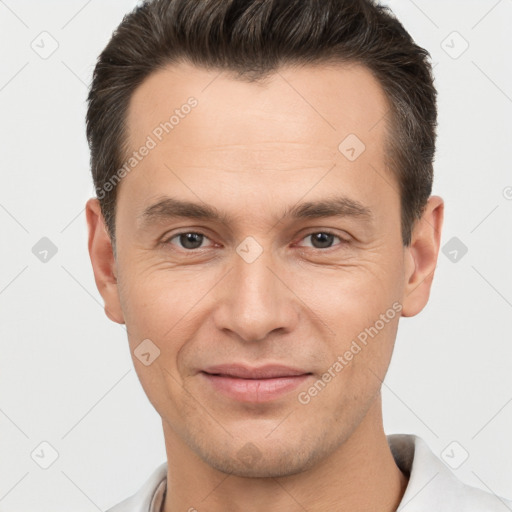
252	151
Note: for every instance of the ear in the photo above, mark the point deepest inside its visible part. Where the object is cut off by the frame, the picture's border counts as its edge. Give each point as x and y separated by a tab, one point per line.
421	257
103	261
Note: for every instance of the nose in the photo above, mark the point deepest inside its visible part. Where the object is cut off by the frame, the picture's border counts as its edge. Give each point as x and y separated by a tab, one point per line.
255	300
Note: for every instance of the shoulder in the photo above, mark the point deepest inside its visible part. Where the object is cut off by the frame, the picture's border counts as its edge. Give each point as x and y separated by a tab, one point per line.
149	497
432	485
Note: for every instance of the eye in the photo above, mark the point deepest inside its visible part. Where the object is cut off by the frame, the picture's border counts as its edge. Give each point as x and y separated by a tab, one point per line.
192	240
323	239
189	240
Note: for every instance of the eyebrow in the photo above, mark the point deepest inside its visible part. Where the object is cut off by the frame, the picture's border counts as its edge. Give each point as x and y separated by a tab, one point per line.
169	208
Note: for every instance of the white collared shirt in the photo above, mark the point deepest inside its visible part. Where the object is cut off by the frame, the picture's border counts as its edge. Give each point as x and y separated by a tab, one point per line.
432	486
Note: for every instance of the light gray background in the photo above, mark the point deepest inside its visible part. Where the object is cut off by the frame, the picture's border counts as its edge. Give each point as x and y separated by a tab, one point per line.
66	376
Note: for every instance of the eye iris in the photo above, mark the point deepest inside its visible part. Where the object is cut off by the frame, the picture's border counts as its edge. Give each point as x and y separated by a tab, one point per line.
191	240
194	240
322	239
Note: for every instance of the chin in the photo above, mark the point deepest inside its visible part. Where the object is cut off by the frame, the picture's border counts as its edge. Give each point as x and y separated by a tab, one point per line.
249	460
260	469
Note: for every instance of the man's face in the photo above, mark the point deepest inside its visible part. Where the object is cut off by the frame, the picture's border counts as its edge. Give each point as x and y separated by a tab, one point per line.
269	282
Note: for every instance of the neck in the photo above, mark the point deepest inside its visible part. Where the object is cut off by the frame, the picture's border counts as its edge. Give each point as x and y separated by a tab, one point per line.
359	475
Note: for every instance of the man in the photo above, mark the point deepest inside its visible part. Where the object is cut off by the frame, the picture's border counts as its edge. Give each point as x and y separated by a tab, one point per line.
263	218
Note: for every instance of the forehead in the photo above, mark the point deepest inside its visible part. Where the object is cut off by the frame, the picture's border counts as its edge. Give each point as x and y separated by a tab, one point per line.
296	117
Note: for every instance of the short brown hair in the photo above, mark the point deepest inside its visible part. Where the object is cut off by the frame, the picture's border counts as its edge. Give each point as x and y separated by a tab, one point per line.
253	38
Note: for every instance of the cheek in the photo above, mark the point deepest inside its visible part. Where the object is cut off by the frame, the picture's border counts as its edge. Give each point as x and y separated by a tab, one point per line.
349	297
166	308
157	301
359	309
358	360
159	309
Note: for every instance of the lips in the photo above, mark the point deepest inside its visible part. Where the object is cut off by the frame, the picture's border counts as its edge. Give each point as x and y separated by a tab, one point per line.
254	385
262	372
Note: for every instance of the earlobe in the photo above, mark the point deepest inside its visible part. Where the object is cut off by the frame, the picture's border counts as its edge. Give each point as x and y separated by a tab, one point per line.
103	261
420	258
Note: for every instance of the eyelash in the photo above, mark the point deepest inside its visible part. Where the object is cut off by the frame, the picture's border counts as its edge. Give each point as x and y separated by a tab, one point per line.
343	241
